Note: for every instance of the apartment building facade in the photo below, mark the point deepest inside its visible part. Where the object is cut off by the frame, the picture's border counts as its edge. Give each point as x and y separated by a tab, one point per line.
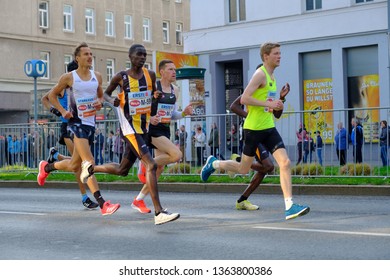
335	55
49	30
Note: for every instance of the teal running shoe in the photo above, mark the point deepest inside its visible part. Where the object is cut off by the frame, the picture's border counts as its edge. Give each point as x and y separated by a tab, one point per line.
208	168
296	210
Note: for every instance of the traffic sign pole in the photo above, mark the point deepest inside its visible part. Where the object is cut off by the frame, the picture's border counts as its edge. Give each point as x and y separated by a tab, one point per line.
35	101
35	68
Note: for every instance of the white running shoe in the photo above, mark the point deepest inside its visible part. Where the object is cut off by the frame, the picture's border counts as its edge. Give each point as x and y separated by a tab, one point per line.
164	217
84	175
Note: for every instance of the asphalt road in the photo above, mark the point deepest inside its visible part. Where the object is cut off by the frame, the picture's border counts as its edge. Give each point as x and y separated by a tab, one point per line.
51	224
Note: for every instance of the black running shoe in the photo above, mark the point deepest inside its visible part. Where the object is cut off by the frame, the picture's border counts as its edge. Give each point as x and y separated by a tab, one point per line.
89	204
52	152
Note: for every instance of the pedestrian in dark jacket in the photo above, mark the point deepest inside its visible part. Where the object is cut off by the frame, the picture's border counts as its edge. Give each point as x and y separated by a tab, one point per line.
357	140
319	145
214	140
384	142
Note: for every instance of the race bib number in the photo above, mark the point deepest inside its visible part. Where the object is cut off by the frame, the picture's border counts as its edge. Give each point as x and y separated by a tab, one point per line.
139	102
164	112
85	108
270	97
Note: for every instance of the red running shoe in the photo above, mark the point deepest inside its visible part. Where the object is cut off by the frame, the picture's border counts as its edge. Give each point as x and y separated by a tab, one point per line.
141	172
109	208
140	206
42	175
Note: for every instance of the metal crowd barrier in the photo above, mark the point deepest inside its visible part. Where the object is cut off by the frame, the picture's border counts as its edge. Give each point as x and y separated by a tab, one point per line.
22	146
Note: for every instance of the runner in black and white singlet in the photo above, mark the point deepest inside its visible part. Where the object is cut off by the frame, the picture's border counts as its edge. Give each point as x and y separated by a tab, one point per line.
163	111
137	92
86	98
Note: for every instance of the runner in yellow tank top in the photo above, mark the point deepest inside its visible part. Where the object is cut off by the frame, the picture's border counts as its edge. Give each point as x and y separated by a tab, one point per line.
260	98
260	118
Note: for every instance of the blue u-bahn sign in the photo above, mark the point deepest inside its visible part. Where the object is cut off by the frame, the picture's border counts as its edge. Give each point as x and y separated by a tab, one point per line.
35	68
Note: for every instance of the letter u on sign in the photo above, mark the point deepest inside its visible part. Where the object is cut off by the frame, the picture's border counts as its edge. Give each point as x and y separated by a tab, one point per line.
34	68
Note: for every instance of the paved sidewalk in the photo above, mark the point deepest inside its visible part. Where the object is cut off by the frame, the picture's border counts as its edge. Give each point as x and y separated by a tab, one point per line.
366	190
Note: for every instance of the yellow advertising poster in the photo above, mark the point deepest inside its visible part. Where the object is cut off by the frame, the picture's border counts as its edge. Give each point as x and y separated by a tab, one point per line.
363	93
318	96
180	60
197	96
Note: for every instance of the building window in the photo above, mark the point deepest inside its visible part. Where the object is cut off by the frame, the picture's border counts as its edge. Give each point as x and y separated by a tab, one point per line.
146	29
109	24
67	59
44	15
313	5
178	1
128	27
68	18
179	34
363	1
110	69
127	65
237	10
45	57
165	28
89	21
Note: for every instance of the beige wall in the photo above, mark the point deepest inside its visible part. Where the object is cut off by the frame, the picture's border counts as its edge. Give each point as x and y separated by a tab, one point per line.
21	38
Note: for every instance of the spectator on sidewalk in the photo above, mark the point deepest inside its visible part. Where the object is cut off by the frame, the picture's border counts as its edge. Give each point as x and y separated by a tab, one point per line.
183	141
357	140
110	145
214	140
309	148
384	142
51	140
118	145
98	147
232	140
301	135
341	143
319	145
199	142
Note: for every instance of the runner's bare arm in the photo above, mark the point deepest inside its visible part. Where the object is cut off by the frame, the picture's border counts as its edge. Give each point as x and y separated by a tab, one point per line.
258	80
114	83
283	93
156	93
236	108
99	93
46	103
65	81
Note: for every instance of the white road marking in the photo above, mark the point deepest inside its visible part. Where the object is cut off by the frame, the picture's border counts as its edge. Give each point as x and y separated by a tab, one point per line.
326	231
22	213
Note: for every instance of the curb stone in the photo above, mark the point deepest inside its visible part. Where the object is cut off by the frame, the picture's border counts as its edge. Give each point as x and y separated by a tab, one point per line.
354	190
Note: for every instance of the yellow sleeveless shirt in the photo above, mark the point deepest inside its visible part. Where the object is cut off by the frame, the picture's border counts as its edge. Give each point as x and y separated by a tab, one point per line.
260	118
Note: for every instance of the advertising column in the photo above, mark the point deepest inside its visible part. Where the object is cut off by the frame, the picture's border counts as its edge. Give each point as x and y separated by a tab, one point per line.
363	93
190	81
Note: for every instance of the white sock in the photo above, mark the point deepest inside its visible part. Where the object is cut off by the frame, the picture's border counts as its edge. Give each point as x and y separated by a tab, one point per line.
140	196
216	164
288	202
